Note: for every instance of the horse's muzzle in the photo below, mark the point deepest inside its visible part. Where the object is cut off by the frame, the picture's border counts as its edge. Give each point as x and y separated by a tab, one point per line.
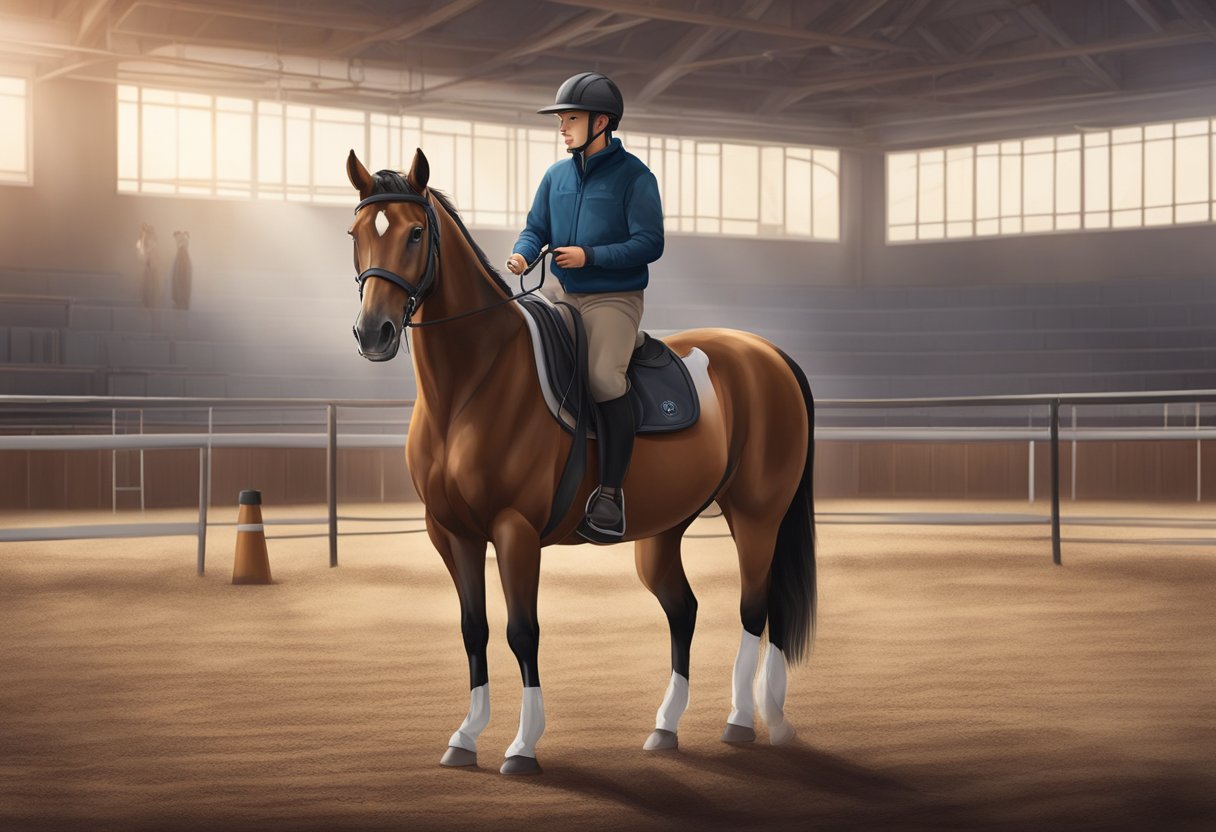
377	343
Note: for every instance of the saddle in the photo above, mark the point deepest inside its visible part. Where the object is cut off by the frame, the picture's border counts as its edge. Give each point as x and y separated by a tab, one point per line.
661	388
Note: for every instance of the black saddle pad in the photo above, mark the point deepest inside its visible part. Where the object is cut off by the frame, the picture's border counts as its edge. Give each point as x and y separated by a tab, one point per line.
661	389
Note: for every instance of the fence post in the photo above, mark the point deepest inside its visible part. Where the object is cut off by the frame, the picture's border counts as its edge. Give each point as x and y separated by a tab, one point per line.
331	480
1055	481
204	488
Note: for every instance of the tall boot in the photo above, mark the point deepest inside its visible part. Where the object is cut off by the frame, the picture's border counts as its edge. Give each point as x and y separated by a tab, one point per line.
605	519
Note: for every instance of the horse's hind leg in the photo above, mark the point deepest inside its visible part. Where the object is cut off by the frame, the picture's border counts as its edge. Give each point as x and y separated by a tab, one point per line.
755	537
466	561
662	572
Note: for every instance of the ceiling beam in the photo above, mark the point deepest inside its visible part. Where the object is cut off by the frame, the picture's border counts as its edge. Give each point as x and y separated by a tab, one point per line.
855	14
1025	117
936	43
1171	37
1042	24
1146	12
1003	81
721	21
1199	15
560	34
608	30
995	26
680	60
92	22
406	30
243	11
909	16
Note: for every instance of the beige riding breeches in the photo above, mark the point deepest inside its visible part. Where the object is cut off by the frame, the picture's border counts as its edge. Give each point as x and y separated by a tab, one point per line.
612	321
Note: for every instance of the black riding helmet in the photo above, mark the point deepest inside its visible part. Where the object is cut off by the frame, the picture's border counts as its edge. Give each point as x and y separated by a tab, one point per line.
594	93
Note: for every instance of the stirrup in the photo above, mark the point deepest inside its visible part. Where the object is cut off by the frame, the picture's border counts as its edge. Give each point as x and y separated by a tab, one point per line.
589	531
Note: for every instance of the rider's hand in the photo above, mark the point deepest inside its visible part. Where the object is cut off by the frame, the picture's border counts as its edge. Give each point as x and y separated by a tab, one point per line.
570	257
516	263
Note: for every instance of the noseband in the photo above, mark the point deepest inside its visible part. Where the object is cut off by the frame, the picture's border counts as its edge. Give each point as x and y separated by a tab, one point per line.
416	294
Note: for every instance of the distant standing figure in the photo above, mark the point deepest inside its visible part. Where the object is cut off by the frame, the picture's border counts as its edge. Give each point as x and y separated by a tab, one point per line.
183	271
146	246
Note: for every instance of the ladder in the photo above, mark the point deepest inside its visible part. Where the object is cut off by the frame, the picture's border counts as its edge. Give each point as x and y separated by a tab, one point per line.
132	422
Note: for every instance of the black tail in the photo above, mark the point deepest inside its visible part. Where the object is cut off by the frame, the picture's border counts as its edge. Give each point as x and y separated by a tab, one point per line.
792	594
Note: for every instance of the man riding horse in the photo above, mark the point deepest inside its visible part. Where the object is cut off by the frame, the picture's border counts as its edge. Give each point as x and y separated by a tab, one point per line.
600	213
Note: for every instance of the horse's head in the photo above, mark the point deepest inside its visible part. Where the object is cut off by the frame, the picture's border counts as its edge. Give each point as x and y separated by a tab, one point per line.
396	237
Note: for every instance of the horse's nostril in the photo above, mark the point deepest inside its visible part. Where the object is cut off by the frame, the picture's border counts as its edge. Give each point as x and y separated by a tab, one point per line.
387	331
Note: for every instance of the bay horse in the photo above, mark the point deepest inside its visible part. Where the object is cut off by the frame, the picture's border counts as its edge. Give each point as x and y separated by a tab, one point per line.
485	455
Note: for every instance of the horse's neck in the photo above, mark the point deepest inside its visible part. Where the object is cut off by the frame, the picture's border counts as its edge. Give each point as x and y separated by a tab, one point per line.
453	358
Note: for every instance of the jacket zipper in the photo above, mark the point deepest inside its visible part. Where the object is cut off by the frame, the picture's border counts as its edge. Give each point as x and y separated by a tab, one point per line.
578	209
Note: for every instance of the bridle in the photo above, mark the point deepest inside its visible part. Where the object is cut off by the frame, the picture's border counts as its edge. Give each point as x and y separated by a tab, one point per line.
415	295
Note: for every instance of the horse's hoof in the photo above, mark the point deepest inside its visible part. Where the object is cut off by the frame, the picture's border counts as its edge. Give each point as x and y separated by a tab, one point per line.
455	757
661	740
780	734
520	764
738	733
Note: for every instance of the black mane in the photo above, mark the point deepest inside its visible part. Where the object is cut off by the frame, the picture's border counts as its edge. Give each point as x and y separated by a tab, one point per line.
392	182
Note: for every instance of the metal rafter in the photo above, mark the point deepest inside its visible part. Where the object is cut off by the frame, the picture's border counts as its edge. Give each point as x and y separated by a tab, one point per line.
681	59
1144	9
92	22
562	33
1198	14
1038	21
404	31
1171	37
911	14
702	19
855	15
272	14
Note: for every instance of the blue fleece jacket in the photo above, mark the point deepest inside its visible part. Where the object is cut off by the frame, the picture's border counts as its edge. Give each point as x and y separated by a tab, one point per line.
612	211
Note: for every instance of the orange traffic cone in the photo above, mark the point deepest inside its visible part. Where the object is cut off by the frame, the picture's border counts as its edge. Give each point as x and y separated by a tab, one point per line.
252	564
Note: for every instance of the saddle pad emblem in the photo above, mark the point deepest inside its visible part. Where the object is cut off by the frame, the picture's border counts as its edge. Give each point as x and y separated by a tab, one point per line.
670	408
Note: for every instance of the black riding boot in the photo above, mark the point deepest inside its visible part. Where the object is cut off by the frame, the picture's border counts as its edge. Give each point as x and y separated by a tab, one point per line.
605	520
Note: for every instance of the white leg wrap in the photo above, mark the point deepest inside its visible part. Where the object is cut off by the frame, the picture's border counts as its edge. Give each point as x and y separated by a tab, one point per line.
770	691
531	724
742	704
477	720
674	704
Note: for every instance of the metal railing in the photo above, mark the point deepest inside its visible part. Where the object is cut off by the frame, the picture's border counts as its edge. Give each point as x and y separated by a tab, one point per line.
205	443
331	441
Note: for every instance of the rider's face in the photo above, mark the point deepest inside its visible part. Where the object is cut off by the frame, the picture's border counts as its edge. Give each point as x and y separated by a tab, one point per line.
572	124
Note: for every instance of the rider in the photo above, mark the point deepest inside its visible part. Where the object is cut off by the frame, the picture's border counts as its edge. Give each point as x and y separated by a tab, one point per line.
600	213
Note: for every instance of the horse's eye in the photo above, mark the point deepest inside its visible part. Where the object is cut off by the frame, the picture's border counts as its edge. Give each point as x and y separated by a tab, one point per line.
416	234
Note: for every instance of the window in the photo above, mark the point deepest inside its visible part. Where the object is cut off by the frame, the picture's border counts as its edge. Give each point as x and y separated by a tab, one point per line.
186	143
734	188
1157	174
15	137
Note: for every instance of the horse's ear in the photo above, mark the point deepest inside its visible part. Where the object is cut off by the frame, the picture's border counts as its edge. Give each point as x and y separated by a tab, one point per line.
358	176
420	171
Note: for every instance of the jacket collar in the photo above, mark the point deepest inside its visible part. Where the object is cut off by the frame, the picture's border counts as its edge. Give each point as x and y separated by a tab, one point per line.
605	157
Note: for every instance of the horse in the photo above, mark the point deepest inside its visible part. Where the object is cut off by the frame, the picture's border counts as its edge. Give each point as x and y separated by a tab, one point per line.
485	456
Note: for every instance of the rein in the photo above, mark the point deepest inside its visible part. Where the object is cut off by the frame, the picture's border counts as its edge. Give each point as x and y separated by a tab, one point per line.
417	294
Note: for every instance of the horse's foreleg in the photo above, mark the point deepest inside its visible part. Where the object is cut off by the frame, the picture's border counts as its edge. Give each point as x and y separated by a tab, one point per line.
662	572
517	544
466	561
